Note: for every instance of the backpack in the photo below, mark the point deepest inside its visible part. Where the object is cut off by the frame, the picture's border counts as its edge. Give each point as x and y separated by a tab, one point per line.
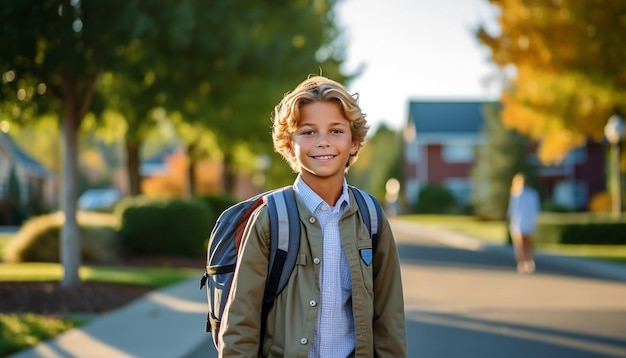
227	234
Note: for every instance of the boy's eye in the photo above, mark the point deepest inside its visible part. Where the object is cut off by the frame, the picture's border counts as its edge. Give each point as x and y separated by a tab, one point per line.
336	131
307	132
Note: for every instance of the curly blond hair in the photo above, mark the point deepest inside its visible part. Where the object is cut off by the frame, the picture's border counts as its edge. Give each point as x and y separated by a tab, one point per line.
286	116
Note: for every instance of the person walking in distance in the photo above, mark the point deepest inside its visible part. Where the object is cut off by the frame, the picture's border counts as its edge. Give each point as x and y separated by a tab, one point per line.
524	208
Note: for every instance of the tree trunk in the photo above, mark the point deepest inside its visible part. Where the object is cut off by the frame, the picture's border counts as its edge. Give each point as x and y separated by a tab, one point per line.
190	189
228	175
77	98
132	166
70	234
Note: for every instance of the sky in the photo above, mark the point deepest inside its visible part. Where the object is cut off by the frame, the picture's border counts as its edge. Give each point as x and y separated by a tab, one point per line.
415	49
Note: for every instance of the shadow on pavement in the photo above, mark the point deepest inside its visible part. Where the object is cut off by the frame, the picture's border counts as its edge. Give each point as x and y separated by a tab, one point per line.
454	335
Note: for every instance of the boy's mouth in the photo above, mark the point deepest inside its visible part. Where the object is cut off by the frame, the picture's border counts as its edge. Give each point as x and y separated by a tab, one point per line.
323	157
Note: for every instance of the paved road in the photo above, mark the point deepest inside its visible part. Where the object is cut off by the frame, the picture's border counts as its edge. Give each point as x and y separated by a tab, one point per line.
465	299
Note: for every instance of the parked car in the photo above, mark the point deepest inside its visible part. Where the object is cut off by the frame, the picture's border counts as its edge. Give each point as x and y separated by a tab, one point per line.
99	199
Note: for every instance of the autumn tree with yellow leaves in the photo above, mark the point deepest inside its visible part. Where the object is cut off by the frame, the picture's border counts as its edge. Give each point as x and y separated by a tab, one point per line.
565	66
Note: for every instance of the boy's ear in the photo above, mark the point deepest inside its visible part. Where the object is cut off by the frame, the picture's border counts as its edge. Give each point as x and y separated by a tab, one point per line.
354	147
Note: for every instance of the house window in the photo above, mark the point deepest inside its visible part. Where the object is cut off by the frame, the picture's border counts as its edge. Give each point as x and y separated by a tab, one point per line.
576	156
411	152
570	194
458	153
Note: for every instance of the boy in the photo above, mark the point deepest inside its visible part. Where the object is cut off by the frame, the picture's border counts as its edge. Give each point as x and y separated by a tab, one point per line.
336	303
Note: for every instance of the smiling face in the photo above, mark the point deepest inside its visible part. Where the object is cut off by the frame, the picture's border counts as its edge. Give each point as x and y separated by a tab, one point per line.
323	143
287	116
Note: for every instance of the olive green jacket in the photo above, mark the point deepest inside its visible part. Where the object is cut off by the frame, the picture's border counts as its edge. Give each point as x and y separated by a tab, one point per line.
377	300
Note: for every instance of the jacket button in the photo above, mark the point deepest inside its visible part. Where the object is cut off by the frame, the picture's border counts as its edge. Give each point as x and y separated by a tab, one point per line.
317	261
312	220
304	341
312	303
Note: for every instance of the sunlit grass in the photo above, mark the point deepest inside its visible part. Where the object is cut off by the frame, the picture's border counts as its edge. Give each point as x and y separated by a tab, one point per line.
4	240
604	252
151	277
492	231
20	331
496	232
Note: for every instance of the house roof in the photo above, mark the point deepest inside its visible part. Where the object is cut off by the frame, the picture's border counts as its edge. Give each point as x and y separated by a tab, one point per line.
22	159
447	117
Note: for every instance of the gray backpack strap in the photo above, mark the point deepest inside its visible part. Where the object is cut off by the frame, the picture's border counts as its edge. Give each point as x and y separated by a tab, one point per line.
371	212
284	235
284	245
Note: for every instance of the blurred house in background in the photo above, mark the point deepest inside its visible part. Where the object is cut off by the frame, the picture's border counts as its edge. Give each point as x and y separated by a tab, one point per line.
166	174
36	184
441	140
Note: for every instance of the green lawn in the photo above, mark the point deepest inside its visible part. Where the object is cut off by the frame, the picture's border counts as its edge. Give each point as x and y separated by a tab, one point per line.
492	231
4	240
20	331
152	277
496	232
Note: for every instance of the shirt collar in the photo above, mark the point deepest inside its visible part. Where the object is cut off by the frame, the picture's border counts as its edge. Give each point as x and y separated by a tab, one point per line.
314	201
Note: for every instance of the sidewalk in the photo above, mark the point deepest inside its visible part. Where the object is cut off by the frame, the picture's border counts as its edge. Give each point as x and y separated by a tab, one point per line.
165	323
169	323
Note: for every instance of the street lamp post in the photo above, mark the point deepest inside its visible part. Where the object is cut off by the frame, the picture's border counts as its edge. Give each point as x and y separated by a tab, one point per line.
615	131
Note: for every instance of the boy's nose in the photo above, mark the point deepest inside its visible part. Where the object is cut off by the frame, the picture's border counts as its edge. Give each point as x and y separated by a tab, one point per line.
323	142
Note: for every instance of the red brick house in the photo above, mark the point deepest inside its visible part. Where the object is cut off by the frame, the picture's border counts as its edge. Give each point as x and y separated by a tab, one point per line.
440	142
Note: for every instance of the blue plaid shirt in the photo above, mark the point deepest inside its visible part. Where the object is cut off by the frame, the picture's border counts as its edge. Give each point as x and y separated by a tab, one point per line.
334	335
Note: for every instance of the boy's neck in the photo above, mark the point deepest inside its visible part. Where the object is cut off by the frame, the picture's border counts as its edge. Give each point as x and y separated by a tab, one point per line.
329	189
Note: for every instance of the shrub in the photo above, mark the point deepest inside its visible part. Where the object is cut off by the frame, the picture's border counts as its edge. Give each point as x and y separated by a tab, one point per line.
600	202
580	228
551	207
218	203
38	239
435	199
171	227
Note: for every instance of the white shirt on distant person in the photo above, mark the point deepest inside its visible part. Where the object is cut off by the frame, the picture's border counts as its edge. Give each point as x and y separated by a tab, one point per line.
523	211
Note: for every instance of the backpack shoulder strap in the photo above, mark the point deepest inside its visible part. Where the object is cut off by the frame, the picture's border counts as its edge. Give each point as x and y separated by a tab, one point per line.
371	212
284	245
284	236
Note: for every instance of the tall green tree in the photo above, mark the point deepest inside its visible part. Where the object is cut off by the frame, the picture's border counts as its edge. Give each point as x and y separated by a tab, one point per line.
217	63
220	67
274	46
378	161
565	62
53	53
505	153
